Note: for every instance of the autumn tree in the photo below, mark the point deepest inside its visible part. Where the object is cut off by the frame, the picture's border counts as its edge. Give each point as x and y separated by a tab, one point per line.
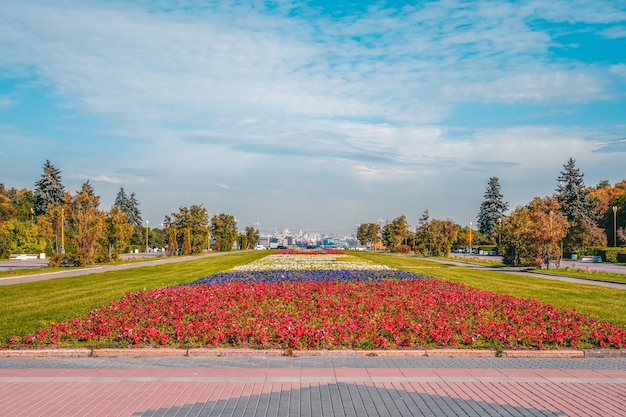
86	225
368	234
607	197
118	231
492	209
532	234
394	233
224	231
578	208
49	191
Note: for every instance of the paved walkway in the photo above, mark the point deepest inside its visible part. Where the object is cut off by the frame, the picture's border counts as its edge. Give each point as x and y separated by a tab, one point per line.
312	386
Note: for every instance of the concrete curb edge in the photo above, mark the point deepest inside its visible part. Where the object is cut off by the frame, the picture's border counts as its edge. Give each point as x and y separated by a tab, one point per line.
221	352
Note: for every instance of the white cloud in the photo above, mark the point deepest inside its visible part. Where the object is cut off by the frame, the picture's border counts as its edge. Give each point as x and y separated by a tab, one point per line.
619	69
222	103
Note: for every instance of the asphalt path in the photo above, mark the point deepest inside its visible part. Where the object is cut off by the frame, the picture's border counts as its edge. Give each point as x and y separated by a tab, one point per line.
159	260
596	267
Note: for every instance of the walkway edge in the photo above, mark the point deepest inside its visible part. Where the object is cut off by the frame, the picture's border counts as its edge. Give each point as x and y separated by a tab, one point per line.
219	352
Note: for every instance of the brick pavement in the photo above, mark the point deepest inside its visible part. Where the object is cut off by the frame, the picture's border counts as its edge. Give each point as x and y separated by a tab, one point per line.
312	386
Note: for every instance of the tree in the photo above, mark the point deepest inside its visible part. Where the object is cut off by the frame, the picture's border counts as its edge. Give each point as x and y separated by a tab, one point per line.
422	238
395	233
48	190
532	234
368	233
441	236
129	206
491	209
188	229
249	238
20	237
578	208
224	231
118	232
86	225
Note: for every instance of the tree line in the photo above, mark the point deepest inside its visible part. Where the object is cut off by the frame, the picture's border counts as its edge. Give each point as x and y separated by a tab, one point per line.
72	229
572	220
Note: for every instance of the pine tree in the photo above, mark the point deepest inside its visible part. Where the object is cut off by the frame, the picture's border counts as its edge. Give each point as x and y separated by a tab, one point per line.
492	208
573	196
49	189
129	206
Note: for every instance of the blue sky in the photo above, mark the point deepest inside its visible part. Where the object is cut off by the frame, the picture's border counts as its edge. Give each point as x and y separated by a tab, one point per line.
317	115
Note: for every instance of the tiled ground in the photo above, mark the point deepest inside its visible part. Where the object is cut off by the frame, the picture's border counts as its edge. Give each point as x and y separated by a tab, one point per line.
312	386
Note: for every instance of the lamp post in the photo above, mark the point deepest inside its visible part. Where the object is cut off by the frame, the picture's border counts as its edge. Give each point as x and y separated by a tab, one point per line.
147	232
614	226
62	231
470	238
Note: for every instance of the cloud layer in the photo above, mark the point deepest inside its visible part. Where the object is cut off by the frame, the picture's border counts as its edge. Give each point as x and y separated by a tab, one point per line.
312	114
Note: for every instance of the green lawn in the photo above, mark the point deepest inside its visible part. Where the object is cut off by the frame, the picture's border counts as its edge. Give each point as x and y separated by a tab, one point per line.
606	304
26	308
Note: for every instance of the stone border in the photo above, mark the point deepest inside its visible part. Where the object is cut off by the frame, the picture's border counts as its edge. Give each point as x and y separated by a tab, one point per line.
243	352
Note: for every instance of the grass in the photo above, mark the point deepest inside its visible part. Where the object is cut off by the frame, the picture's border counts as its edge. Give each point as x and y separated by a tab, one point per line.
605	304
26	308
592	275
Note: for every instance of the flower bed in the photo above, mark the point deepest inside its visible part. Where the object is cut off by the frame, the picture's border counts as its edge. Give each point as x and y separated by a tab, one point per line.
316	262
328	309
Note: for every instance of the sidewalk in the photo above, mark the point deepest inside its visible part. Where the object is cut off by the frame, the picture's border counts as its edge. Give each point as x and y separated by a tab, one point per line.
312	386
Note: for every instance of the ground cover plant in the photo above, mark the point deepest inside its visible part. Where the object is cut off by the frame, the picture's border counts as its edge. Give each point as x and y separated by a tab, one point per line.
328	309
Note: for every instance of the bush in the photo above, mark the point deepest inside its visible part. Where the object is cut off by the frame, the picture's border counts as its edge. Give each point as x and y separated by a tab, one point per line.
612	255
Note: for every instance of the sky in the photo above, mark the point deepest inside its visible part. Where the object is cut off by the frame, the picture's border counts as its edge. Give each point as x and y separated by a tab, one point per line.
313	115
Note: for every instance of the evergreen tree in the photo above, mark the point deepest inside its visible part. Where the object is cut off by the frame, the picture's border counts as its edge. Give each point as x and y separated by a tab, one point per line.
578	208
573	196
129	206
49	189
492	208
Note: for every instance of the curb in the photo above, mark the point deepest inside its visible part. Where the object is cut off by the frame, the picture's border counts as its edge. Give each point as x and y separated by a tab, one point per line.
221	352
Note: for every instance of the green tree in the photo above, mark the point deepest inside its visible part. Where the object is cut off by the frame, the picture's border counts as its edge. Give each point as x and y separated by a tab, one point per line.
395	233
129	206
422	237
491	209
441	236
249	238
48	190
20	237
578	208
368	234
224	231
188	229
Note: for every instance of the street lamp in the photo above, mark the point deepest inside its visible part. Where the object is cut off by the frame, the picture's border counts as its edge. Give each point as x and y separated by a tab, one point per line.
62	231
147	231
614	226
470	238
